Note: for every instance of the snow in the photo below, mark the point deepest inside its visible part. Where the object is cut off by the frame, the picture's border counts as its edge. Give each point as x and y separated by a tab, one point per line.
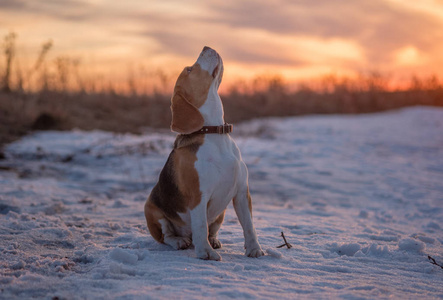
360	198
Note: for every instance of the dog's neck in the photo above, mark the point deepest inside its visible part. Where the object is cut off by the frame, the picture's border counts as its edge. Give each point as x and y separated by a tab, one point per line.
212	109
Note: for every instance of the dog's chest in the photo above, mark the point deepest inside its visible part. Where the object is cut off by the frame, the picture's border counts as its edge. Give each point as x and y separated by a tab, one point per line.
218	165
220	171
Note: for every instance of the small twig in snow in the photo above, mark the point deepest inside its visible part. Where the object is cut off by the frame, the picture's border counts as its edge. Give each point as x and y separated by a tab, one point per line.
286	242
434	262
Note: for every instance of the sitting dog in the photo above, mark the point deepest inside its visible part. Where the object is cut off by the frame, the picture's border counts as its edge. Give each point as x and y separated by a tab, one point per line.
204	171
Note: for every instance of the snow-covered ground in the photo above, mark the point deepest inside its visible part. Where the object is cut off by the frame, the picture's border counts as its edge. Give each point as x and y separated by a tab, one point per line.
360	198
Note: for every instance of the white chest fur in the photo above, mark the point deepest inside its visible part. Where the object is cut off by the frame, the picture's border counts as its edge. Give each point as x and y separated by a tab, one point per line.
220	168
221	172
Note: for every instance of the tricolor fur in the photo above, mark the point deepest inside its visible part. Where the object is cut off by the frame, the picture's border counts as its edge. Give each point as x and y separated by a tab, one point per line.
203	172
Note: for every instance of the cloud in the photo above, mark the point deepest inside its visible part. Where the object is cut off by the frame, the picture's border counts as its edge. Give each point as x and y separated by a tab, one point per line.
379	26
12	4
260	31
285	34
186	38
73	10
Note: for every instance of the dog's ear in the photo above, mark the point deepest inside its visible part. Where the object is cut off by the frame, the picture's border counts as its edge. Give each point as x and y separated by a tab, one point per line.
185	117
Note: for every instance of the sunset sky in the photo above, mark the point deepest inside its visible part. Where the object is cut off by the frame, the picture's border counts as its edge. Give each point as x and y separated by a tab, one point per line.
297	39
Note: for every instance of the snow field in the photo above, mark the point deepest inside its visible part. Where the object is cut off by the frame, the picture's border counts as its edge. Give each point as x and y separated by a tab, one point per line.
360	198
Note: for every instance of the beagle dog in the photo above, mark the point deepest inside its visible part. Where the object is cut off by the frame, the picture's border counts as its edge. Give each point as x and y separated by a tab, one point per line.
204	171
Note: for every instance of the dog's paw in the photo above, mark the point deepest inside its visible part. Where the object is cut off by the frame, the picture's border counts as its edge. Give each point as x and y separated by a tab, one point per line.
208	254
215	243
254	252
178	242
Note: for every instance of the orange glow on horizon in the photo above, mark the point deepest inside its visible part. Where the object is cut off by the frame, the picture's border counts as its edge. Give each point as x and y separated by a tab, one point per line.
148	44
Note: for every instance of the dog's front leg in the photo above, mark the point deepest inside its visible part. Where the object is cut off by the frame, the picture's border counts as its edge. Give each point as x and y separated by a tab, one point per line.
243	209
199	224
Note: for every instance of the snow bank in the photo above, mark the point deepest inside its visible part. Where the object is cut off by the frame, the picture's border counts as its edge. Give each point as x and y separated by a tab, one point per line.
358	197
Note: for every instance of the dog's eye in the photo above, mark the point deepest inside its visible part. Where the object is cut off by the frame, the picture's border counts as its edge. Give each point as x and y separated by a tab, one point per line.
189	69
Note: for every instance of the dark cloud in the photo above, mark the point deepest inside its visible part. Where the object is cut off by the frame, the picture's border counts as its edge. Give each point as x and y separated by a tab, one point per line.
186	37
176	43
73	10
12	4
250	55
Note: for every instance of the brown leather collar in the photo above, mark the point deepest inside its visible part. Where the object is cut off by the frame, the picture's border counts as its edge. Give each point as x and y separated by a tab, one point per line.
222	129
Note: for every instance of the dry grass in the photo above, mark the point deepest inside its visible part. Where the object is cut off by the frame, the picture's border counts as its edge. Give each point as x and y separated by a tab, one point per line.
239	107
21	113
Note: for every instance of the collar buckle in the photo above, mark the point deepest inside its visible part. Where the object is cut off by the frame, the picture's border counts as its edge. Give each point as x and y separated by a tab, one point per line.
221	129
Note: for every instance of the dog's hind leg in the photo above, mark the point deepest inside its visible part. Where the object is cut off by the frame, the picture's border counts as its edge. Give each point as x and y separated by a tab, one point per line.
213	230
153	214
171	238
162	230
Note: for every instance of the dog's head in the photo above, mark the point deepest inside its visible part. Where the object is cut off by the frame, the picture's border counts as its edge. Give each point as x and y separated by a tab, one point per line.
192	89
